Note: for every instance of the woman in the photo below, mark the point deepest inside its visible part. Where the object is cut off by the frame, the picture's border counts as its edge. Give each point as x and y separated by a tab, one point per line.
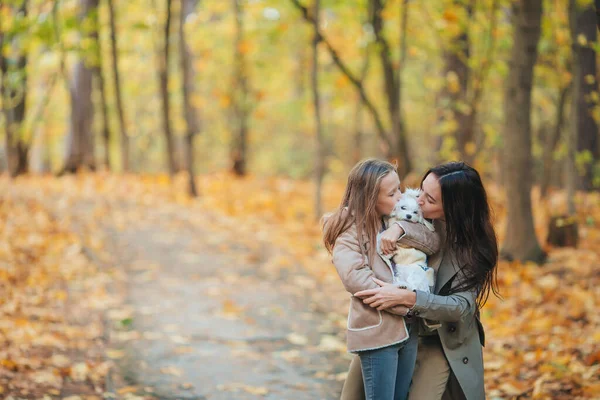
382	340
450	360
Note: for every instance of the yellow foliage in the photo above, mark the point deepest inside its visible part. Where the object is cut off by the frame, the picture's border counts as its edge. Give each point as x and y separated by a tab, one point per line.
542	336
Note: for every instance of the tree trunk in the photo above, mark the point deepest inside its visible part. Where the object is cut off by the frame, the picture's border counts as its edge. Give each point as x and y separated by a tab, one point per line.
455	89
585	83
14	96
551	139
385	140
393	84
99	74
240	96
163	76
320	145
80	140
520	239
358	115
188	7
117	85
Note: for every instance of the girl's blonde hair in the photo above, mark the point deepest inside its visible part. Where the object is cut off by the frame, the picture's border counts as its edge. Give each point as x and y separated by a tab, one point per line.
358	205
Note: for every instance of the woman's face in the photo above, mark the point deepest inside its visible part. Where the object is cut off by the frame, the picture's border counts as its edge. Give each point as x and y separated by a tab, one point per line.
430	199
389	194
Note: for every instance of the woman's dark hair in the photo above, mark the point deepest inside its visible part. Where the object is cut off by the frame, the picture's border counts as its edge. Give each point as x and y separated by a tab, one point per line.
469	230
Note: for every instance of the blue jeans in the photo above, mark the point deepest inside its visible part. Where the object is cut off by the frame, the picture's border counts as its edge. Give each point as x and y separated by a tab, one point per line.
387	372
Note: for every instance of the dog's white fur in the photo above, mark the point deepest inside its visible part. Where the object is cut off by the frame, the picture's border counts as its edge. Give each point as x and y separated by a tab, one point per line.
411	270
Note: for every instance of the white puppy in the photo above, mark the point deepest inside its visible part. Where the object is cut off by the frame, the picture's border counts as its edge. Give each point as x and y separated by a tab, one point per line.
409	264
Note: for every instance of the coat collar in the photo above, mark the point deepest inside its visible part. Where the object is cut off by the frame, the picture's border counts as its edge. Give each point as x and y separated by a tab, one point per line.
445	261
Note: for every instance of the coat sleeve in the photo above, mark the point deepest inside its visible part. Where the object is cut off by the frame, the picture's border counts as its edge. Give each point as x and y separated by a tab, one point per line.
453	308
419	237
351	265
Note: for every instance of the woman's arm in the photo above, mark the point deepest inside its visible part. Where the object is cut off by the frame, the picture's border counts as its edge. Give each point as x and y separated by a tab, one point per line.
354	271
450	308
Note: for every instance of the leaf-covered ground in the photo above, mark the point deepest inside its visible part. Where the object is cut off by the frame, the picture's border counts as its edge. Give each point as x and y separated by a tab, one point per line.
56	270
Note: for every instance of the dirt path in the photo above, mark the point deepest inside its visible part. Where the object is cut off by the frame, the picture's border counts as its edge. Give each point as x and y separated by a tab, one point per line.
205	318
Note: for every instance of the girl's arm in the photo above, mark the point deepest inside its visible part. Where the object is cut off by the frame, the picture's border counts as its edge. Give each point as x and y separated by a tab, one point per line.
412	235
351	265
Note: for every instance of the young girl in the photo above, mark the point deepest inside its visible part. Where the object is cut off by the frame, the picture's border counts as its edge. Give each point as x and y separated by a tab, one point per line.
382	339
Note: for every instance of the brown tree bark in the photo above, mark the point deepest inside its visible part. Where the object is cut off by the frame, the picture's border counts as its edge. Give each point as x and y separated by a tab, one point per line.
191	119
80	145
358	115
100	81
239	148
585	83
163	77
520	239
125	157
551	136
319	143
393	83
14	96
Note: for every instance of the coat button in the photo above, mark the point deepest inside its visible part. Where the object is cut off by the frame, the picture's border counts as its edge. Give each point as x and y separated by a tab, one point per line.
452	328
465	360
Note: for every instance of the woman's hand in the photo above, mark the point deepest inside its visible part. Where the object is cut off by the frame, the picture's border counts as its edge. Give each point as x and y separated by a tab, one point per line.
386	296
389	237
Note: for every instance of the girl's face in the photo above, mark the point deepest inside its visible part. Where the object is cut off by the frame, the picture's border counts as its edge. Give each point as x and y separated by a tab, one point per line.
389	194
430	199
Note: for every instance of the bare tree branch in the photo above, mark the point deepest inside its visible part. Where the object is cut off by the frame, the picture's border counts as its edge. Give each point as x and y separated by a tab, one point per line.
346	71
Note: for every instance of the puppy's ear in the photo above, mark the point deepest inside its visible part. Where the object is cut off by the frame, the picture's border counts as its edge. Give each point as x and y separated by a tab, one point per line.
412	192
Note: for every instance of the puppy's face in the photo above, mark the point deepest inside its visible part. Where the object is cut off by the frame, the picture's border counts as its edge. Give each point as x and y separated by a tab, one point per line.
407	208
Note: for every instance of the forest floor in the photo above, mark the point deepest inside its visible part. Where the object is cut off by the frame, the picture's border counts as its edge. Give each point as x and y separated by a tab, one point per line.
123	287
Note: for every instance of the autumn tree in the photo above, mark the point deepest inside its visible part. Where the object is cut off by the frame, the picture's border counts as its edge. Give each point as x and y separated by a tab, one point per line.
584	91
13	89
320	145
100	83
124	139
163	57
240	95
80	139
520	239
393	139
188	7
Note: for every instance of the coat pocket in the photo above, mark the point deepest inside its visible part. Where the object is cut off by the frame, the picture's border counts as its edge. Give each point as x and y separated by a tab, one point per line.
362	316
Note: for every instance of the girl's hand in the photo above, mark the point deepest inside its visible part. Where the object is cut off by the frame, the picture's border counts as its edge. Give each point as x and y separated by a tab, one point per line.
389	237
384	297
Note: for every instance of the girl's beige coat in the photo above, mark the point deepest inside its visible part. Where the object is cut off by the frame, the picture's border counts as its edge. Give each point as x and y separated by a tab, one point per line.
369	328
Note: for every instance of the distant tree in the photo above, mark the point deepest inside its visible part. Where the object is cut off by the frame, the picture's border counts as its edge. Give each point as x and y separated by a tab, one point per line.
163	77
520	240
584	86
240	91
125	157
100	82
319	170
80	139
13	89
188	7
393	140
